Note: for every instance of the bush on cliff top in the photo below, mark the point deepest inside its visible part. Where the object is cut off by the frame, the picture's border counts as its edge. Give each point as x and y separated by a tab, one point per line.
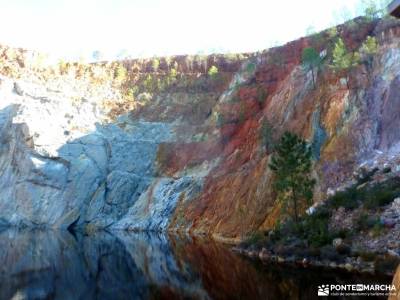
213	71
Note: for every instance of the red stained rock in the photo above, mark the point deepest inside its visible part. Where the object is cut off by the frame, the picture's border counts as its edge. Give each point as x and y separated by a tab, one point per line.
237	196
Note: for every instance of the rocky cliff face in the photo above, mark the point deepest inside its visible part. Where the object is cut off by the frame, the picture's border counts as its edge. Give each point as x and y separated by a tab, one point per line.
163	145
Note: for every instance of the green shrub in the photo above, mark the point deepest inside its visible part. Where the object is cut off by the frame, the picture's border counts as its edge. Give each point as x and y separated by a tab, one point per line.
377	229
267	136
213	72
172	75
120	73
155	64
343	59
311	61
132	92
368	51
332	32
255	238
281	230
314	229
366	176
149	83
349	198
381	195
251	67
364	222
372	197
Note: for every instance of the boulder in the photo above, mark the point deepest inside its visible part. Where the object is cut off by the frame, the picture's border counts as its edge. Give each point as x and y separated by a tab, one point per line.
337	242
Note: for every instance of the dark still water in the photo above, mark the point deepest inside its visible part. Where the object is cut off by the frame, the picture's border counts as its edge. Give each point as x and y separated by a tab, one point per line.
59	265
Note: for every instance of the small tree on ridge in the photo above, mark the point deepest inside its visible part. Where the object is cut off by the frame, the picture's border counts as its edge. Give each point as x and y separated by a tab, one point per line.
344	60
311	60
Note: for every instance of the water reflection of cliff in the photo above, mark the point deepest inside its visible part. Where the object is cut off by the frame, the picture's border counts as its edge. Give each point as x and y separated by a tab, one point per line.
47	265
58	265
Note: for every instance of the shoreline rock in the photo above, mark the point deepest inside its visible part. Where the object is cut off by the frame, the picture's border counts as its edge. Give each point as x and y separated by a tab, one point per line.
351	264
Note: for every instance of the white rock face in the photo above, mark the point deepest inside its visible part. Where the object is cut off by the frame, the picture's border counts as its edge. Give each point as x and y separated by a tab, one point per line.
154	208
61	165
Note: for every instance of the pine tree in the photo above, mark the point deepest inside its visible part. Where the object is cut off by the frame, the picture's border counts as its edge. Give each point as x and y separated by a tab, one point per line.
311	60
292	164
